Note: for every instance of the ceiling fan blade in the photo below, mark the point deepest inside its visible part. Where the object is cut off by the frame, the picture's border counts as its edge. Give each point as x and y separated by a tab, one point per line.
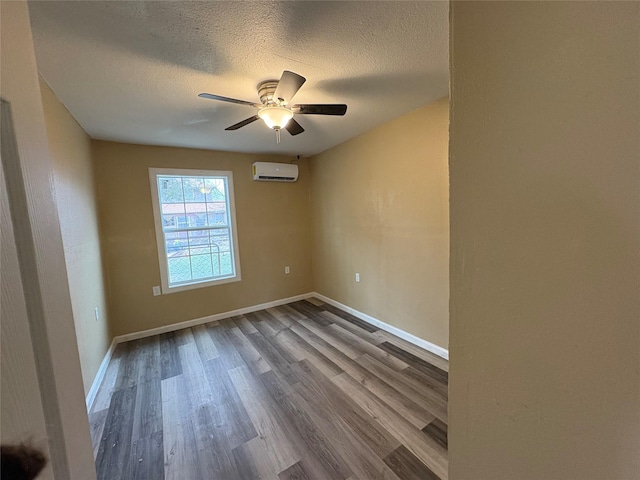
322	109
288	86
243	123
293	127
211	96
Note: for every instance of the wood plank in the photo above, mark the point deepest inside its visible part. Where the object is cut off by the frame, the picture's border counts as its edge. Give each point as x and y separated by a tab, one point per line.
310	312
294	472
214	451
350	318
264	328
185	336
325	397
170	365
148	406
411	410
438	431
262	461
230	356
274	358
103	398
250	466
272	320
288	346
205	345
196	386
96	424
425	355
410	381
231	415
113	461
148	457
428	381
407	467
331	338
283	316
418	393
416	362
180	453
303	348
281	341
148	409
252	358
308	305
322	346
315	301
365	347
244	325
287	310
148	354
318	447
361	460
426	449
372	338
279	452
129	366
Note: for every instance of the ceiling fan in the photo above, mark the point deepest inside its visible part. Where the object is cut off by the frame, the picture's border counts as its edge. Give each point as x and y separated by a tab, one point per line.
275	107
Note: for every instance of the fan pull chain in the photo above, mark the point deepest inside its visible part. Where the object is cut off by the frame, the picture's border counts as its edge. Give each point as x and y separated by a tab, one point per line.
277	135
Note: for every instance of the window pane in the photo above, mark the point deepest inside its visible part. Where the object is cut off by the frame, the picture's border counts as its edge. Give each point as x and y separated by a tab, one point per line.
179	269
170	189
199	242
177	244
217	212
226	264
201	266
194	188
221	238
169	222
198	207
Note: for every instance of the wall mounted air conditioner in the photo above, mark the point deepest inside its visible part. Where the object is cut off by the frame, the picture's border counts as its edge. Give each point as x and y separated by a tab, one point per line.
275	172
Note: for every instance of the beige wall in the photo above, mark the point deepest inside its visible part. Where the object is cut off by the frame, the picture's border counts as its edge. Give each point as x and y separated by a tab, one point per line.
380	208
545	230
273	231
70	149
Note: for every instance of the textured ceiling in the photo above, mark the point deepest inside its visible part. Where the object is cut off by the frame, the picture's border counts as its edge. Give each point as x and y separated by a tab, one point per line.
131	71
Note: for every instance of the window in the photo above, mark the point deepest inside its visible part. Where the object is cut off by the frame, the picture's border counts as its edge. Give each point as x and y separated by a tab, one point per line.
194	215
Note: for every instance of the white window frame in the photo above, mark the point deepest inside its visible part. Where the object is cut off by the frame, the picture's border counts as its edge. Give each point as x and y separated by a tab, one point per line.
160	239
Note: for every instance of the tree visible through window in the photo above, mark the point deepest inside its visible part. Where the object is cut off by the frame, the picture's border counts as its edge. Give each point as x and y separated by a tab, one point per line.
195	225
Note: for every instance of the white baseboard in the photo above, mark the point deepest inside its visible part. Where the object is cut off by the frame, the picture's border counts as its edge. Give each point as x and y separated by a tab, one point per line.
97	381
431	347
209	318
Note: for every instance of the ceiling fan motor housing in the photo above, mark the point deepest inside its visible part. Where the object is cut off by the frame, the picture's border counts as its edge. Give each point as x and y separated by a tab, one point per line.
266	90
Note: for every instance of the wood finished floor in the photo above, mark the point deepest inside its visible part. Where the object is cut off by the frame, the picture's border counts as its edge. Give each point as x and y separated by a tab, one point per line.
303	391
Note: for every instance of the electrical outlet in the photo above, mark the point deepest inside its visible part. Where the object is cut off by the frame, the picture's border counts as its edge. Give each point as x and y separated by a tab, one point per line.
97	313
287	270
156	291
357	277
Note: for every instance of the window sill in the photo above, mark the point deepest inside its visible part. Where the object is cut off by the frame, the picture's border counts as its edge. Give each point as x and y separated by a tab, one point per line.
192	286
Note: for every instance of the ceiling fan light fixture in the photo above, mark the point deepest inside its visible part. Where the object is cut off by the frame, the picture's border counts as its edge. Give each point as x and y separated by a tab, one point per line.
275	116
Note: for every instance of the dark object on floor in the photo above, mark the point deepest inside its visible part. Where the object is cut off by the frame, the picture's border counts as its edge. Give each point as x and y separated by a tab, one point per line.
21	462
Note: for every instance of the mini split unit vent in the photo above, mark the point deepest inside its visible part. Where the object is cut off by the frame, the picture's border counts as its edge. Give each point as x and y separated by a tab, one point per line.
275	172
